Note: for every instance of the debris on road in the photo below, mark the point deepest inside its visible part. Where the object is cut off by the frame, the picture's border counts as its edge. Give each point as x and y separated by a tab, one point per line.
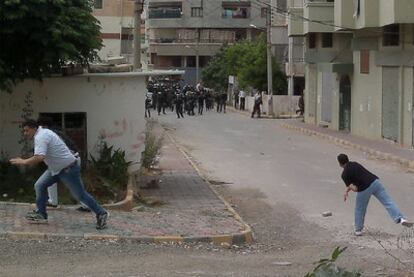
326	214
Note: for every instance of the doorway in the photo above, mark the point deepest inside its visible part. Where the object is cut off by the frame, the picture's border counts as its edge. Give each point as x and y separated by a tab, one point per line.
390	103
345	104
72	125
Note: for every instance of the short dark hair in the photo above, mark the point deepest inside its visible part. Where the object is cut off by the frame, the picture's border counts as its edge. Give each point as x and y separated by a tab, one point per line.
342	159
31	123
45	121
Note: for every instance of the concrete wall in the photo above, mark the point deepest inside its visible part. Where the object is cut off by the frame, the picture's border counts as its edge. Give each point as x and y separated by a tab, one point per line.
113	103
283	105
212	17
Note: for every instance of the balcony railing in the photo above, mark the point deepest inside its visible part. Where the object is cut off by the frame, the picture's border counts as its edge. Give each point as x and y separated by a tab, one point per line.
164	13
190	41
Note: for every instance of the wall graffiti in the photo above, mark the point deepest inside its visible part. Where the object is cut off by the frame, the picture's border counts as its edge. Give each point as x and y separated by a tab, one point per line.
118	129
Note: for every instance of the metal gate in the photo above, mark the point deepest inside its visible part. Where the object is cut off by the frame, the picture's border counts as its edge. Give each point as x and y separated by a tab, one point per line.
74	126
390	103
311	91
327	87
345	104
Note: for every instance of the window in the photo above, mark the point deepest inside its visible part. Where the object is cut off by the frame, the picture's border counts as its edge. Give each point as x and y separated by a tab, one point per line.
164	10
263	12
312	40
236	12
327	40
357	8
364	62
127	39
197	12
236	9
98	4
391	35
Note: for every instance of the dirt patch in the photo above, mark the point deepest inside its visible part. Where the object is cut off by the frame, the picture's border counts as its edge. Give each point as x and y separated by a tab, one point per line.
279	230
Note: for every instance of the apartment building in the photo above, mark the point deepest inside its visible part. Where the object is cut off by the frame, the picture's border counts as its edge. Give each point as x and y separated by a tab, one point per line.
295	64
117	22
359	59
185	34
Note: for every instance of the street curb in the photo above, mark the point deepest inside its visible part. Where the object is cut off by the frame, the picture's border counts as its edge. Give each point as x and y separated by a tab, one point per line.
245	236
124	205
377	154
127	204
263	116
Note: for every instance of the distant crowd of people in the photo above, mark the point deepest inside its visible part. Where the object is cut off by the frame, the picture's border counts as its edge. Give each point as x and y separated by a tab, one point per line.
166	94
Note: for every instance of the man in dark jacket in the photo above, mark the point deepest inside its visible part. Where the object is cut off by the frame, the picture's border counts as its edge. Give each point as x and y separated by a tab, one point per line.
365	184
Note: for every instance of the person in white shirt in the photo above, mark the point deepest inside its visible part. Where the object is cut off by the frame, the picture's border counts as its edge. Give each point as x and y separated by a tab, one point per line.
62	166
242	96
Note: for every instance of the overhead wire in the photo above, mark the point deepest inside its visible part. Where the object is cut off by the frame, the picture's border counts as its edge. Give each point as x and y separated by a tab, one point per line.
297	17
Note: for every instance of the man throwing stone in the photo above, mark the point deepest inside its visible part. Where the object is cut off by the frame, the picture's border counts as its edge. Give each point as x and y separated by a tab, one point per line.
365	184
62	166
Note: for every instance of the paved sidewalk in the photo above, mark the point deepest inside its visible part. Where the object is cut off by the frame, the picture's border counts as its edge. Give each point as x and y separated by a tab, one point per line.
191	211
378	148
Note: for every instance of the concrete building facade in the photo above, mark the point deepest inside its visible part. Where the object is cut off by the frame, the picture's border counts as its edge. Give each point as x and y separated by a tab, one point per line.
117	22
359	66
186	34
85	107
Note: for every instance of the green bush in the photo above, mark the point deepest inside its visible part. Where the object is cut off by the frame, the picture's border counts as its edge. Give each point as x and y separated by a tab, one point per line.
111	166
15	184
152	148
328	268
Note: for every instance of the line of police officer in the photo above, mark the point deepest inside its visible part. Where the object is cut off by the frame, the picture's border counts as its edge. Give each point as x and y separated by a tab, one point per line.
166	93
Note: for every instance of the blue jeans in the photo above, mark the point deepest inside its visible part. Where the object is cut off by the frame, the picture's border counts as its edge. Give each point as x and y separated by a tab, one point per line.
377	189
72	179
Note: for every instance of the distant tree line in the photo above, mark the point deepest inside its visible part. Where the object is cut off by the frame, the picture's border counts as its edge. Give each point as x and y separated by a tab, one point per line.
37	37
247	61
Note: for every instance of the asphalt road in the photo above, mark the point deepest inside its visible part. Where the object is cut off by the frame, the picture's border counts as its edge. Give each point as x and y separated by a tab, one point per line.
289	167
279	181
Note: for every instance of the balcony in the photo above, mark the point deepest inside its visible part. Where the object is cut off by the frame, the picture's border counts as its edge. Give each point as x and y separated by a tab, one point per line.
395	12
295	21
164	12
344	14
318	11
297	68
184	49
373	13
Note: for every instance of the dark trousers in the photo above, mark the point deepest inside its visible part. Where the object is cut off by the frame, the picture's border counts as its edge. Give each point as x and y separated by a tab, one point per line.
200	107
256	109
148	110
242	103
179	110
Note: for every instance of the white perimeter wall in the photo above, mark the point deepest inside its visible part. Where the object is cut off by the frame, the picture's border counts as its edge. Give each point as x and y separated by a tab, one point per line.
114	107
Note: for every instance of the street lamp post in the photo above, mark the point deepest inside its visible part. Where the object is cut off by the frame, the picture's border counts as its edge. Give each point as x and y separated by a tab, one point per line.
137	34
269	60
197	61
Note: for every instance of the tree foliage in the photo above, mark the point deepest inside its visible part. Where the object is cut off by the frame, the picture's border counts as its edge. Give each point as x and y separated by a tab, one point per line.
248	61
39	36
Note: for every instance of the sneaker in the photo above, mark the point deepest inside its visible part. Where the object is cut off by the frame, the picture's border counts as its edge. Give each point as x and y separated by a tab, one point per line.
405	222
101	220
358	233
83	209
50	205
36	218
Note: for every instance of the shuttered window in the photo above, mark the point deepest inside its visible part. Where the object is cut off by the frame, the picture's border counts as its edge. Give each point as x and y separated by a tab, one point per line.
364	62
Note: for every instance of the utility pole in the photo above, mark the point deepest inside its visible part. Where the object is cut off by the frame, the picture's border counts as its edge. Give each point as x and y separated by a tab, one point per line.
197	57
269	61
138	8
